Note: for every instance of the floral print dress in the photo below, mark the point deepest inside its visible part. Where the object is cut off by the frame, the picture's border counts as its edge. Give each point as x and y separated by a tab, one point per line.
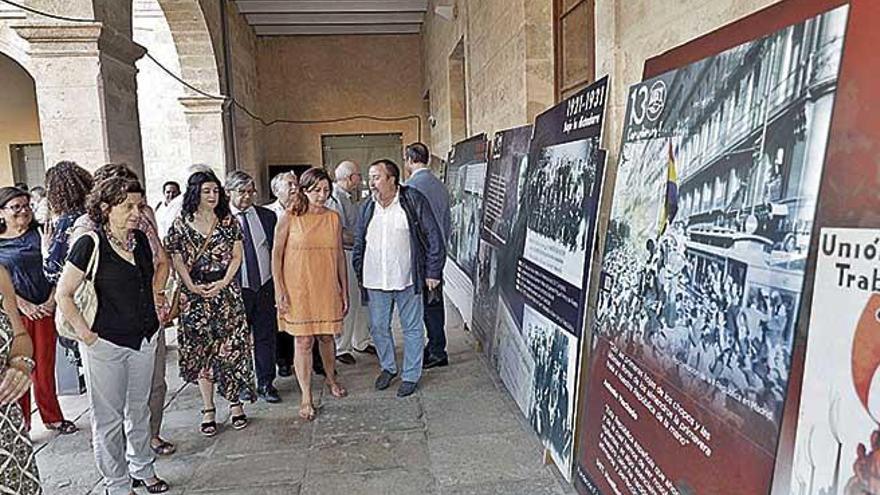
213	338
18	467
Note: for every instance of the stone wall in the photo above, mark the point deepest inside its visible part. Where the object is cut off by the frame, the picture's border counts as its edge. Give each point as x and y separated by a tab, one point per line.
327	77
250	152
508	54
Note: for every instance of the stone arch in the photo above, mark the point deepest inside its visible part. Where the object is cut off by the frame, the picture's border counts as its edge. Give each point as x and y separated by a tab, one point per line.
195	50
13	46
196	63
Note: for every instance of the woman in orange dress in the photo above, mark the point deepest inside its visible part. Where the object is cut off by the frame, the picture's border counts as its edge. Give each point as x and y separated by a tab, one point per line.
311	283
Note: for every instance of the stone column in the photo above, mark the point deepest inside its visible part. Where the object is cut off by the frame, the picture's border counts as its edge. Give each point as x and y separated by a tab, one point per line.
205	119
86	89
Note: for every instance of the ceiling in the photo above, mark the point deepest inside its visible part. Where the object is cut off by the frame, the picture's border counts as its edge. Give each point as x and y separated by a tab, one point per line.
315	17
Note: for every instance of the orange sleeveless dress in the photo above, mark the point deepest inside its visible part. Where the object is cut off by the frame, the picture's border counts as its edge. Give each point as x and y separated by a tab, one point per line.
311	260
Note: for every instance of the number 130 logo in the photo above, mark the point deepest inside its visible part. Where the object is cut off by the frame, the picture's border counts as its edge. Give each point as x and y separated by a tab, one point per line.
647	103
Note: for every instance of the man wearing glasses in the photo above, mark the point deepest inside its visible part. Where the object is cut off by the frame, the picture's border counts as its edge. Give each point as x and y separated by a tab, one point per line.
255	276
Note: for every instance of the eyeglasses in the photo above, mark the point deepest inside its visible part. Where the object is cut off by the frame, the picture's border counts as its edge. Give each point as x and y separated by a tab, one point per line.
17	208
246	192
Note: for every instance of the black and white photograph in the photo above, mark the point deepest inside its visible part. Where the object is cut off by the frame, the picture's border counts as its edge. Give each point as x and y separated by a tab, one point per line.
559	224
465	178
499	250
486	296
553	396
504	183
713	209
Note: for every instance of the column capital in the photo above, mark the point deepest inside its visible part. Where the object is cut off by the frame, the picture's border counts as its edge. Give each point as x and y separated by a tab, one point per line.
78	40
197	104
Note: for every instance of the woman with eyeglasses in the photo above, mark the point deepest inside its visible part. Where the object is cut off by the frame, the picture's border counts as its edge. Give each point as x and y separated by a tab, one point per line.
311	282
20	254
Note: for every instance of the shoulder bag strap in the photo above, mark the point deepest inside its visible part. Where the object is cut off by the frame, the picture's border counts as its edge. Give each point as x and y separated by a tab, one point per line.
92	267
202	249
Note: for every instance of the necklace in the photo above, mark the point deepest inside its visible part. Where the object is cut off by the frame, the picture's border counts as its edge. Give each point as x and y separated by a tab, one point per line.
128	245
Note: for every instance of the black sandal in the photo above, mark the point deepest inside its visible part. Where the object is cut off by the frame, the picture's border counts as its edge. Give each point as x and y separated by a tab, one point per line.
65	427
164	448
160	486
239	421
208	428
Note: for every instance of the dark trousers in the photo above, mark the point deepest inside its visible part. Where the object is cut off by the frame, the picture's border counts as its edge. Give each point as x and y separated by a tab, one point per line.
261	317
435	324
284	349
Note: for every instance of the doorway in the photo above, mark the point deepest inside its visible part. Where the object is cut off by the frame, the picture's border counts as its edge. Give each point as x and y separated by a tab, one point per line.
363	149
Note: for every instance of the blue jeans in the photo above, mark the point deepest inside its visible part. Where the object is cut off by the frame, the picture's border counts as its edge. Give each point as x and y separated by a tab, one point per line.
411	312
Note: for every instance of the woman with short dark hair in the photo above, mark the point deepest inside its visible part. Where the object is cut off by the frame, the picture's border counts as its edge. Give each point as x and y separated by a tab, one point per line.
20	253
68	186
205	245
119	346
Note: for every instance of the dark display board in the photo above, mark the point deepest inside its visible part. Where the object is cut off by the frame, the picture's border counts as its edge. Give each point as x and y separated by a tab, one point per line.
540	215
465	176
502	194
703	266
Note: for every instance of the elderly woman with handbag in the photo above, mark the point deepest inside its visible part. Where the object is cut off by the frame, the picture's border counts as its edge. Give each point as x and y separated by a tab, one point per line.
119	344
216	348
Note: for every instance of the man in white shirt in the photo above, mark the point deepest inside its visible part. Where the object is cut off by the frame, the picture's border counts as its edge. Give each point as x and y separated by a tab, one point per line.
398	253
355	334
164	218
282	186
255	276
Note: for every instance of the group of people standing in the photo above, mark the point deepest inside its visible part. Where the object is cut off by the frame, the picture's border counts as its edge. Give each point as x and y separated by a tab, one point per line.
254	289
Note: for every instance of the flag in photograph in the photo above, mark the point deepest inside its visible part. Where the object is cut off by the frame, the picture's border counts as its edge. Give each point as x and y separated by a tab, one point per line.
670	207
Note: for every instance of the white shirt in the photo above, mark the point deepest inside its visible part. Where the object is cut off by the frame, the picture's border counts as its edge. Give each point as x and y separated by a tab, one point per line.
165	215
276	207
170	211
387	257
261	245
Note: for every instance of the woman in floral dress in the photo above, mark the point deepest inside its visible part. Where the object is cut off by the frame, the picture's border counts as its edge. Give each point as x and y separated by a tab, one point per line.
18	467
215	343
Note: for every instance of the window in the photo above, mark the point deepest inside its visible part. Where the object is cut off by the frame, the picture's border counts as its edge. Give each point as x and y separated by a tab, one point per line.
574	36
458	104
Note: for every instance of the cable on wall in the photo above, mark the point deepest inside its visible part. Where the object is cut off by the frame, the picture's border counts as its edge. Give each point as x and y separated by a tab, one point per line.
233	101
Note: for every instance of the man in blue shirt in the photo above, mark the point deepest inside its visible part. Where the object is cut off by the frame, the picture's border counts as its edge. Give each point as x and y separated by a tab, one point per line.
416	159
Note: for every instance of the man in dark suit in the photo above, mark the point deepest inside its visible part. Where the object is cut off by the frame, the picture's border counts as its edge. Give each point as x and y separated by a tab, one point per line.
255	276
423	180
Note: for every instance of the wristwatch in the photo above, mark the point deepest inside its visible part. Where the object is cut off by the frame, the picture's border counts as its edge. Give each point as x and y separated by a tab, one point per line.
28	362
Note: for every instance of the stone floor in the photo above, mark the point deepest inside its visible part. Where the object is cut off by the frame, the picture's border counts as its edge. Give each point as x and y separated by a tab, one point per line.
459	434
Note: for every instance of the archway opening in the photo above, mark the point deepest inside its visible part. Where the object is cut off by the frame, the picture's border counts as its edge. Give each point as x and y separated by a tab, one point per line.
21	149
165	134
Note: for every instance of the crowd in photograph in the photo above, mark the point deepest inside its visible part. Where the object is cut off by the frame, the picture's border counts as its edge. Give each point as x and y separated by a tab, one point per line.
564	184
696	319
254	292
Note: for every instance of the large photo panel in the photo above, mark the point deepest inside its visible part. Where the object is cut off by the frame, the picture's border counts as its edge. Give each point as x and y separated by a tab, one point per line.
554	237
837	447
464	177
502	194
703	266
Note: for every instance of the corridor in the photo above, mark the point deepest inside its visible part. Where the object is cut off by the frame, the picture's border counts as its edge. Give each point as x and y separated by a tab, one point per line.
459	434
